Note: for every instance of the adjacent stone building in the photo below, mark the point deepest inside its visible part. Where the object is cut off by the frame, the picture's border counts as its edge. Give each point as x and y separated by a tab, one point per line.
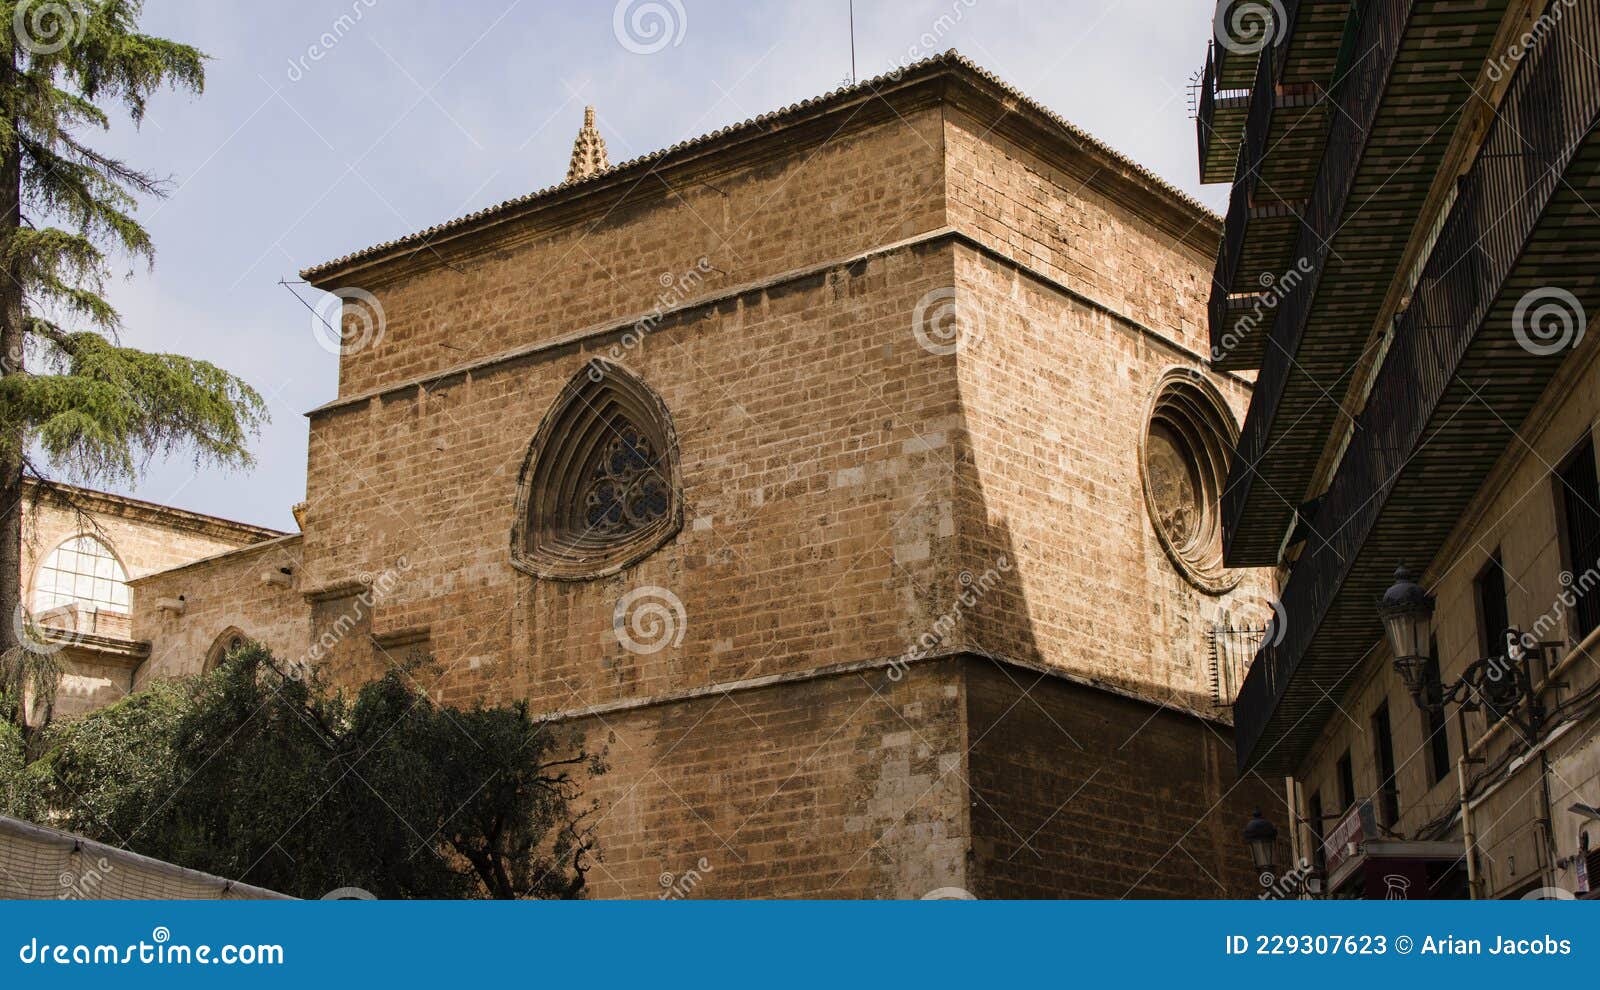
82	552
849	475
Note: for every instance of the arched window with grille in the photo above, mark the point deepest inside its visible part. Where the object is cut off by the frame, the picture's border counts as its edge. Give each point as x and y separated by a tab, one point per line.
85	572
600	488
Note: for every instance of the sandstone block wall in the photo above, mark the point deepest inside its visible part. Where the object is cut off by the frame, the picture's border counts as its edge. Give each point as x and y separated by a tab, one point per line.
814	437
219	595
845	484
92	679
1079	793
839	786
1085	224
871	177
1056	397
855	784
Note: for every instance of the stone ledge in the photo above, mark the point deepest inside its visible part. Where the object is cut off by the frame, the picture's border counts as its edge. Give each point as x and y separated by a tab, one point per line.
598	331
861	666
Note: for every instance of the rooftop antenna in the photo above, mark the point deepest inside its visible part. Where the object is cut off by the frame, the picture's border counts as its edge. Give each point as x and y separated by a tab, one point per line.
853	42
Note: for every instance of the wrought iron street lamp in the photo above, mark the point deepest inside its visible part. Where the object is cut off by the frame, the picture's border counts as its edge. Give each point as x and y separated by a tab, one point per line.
1503	683
1262	838
1407	613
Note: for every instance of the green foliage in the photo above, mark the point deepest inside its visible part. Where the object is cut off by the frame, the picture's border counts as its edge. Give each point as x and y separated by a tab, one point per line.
254	774
28	678
111	402
110	772
22	789
95	409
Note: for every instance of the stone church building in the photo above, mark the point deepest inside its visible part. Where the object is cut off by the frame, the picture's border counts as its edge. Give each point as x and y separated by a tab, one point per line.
849	475
81	552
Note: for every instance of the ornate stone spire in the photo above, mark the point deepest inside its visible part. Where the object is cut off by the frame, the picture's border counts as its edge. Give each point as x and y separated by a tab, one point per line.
588	151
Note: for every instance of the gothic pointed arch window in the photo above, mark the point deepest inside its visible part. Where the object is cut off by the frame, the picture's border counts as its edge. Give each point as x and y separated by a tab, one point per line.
600	489
231	641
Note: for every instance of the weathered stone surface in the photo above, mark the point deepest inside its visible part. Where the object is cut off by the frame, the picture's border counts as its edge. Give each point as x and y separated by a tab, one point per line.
909	383
97	651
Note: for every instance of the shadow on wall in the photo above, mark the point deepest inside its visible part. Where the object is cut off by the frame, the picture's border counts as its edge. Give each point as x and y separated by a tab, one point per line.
1079	791
871	698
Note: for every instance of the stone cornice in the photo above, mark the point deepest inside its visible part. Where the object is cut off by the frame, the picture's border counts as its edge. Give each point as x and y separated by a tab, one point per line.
598	332
901	663
105	649
72	497
254	548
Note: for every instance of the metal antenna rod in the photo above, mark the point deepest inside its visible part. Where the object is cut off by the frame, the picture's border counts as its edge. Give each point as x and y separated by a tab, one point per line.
852	42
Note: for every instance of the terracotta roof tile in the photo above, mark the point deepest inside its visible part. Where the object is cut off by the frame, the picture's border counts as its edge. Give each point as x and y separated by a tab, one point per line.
950	58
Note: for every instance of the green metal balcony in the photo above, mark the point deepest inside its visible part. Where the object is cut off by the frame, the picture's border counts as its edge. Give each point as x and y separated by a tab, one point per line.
1463	371
1400	89
1274	132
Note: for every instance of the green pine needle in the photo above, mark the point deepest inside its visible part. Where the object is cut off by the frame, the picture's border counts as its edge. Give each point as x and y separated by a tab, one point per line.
97	411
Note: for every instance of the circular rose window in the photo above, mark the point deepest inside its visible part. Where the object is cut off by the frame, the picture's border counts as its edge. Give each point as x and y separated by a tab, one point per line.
1188	440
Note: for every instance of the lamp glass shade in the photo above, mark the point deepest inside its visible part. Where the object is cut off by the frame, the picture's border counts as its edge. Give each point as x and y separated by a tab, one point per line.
1407	613
1262	838
1407	632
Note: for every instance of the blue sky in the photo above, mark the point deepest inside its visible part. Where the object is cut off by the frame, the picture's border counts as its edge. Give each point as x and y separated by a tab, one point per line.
420	111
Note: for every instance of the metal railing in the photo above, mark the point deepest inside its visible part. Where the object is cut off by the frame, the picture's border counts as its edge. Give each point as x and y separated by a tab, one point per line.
1358	96
1253	149
1550	107
1206	107
1230	651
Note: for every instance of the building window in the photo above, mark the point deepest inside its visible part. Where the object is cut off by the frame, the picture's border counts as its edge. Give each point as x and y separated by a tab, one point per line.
1493	612
600	488
223	647
1347	783
1580	504
1493	620
84	572
1184	459
1434	725
622	492
1383	757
